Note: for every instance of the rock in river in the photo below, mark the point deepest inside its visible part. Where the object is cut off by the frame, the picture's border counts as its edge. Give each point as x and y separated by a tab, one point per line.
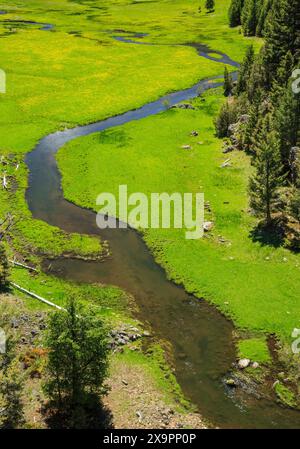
230	382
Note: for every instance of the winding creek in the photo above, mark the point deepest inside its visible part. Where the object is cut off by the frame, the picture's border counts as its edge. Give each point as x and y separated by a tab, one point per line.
200	337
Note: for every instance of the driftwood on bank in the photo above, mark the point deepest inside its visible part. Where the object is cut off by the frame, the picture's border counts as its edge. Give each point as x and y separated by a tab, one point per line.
35	296
19	264
4	182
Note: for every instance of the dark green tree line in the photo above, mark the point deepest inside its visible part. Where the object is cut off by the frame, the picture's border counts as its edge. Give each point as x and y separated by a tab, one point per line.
264	94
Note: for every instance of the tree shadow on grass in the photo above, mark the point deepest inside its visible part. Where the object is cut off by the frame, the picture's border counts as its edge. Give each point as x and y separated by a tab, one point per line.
269	235
91	414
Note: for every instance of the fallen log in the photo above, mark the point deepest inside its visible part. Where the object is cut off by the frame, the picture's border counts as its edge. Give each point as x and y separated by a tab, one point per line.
35	296
19	264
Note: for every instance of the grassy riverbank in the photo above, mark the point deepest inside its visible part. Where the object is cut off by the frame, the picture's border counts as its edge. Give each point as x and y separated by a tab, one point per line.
248	280
75	74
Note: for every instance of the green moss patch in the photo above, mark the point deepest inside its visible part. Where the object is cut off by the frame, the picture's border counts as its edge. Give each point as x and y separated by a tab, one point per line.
285	395
255	349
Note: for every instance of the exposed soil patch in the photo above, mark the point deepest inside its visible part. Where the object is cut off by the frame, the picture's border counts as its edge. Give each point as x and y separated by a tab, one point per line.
137	403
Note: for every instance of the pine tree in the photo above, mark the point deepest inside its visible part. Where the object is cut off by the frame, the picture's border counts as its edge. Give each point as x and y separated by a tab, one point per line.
228	85
264	184
249	17
250	127
263	17
77	365
256	82
282	78
226	117
287	124
210	5
294	205
245	70
282	35
235	11
295	165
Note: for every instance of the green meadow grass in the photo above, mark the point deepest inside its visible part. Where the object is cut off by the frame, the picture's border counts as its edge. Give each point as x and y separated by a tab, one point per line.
110	302
255	349
285	395
30	237
248	281
77	74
